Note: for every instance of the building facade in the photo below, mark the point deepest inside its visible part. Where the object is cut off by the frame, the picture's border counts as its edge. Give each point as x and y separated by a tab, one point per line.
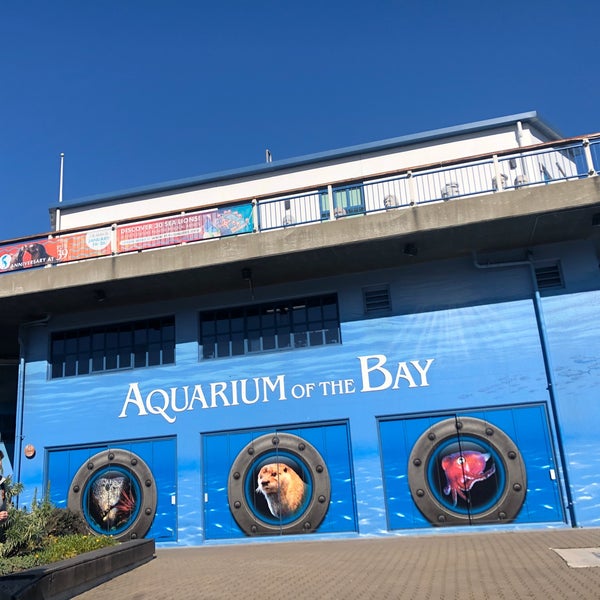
391	338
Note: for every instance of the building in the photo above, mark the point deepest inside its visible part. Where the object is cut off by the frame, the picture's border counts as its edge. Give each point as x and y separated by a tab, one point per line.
395	337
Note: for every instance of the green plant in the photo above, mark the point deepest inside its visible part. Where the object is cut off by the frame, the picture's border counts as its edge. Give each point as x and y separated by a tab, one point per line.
69	546
14	564
43	534
25	531
55	549
11	489
62	522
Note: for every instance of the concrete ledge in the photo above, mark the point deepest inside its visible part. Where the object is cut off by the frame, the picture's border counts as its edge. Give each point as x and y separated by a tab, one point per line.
67	578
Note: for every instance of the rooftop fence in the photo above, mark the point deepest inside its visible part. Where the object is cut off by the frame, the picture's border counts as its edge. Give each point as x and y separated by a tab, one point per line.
539	165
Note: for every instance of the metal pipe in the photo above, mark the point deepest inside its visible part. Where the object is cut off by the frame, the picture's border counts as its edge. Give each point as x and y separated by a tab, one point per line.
520	137
539	315
60	181
19	417
21	399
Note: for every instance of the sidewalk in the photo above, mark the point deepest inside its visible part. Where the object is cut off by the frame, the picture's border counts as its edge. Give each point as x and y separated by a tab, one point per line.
504	565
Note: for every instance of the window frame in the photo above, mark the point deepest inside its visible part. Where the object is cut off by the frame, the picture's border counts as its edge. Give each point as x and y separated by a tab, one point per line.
311	321
348	200
112	347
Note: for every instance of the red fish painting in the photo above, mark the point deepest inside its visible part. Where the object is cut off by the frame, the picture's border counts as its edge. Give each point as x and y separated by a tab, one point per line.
463	470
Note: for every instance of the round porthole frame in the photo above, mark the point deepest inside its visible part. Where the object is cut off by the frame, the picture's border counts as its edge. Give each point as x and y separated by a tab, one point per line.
135	467
316	506
511	498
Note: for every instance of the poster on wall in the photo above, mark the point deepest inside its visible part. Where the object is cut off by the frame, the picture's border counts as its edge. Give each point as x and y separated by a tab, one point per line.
190	227
48	251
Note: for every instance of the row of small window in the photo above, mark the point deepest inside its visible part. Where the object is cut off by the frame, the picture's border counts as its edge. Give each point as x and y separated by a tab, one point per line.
236	331
296	323
143	343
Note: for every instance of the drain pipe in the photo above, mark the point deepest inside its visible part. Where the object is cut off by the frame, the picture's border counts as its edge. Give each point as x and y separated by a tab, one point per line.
539	316
19	415
21	398
520	142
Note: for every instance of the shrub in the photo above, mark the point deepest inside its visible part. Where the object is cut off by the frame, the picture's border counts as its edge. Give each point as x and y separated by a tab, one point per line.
63	521
56	549
11	489
69	546
14	564
25	531
43	534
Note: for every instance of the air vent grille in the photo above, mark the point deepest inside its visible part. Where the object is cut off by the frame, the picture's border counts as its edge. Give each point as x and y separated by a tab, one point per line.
377	300
549	277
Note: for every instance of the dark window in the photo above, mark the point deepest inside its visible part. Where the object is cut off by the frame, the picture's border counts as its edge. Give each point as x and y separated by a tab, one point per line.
282	325
110	347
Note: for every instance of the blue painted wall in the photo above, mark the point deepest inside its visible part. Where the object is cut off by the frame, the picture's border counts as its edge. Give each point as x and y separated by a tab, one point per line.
459	342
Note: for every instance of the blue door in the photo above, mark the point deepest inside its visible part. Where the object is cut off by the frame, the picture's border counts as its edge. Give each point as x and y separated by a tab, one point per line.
277	481
479	467
126	489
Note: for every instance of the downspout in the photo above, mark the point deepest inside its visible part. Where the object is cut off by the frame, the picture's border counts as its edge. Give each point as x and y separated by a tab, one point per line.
539	316
21	399
520	134
19	415
520	143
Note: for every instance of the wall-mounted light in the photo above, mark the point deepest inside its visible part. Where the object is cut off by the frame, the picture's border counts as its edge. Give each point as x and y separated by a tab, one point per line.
247	276
411	249
99	295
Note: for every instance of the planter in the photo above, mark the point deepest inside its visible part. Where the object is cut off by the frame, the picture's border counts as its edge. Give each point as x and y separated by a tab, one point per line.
67	578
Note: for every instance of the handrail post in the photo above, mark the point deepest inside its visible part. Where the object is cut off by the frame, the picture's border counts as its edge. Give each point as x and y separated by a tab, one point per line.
411	189
113	238
497	174
330	199
255	215
591	172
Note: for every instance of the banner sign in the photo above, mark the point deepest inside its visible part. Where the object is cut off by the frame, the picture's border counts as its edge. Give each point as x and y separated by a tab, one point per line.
45	251
190	227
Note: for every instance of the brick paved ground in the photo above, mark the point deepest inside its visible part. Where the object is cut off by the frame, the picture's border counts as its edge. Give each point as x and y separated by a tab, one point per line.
499	565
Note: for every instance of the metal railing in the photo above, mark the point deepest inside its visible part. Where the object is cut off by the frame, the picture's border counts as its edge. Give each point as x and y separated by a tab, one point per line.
538	165
423	185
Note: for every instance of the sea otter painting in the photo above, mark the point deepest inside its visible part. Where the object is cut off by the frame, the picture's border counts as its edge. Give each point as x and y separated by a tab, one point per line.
282	487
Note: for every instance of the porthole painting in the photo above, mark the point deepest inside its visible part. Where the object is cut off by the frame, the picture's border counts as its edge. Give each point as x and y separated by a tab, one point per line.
125	490
279	482
467	470
115	492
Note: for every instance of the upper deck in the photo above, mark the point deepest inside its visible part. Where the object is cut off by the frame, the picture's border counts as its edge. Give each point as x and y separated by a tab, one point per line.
350	212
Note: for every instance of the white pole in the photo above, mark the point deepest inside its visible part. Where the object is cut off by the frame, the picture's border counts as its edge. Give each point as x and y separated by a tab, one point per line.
60	191
60	187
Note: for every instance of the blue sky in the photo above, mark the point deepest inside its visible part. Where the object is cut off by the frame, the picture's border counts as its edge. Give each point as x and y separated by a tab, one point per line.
137	92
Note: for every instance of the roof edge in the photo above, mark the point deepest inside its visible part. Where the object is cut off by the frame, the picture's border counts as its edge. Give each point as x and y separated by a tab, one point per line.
266	168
